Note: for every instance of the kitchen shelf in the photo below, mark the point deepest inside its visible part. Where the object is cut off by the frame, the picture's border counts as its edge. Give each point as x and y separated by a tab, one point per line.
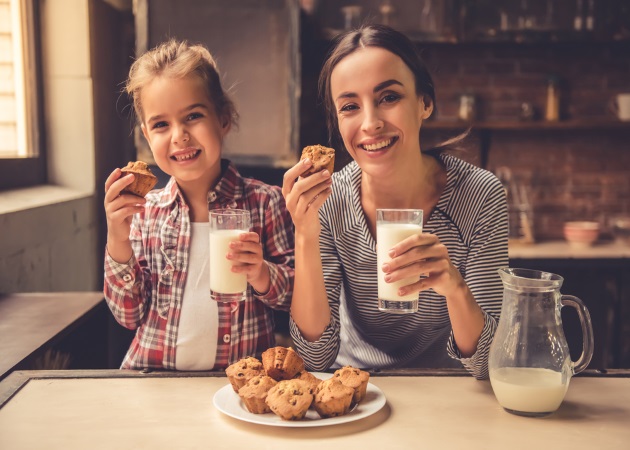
515	125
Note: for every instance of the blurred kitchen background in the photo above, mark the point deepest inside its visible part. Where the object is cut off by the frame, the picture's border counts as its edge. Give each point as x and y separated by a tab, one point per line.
539	83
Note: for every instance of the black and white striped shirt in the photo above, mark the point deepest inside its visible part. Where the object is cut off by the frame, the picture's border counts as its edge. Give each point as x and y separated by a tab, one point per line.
470	218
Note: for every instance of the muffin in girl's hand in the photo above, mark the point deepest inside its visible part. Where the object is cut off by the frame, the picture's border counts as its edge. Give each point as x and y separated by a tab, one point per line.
254	393
290	399
242	371
355	378
332	398
143	179
282	363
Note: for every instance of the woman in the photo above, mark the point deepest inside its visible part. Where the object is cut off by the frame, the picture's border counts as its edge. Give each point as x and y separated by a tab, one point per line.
377	92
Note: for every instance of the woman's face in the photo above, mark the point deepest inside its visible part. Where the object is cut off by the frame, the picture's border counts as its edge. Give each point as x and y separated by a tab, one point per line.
183	130
378	111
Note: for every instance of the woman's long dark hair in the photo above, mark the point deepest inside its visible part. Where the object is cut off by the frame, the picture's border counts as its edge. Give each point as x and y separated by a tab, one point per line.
389	39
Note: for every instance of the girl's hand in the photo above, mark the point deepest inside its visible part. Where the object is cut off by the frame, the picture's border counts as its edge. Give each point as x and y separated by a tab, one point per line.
423	255
304	196
247	255
120	209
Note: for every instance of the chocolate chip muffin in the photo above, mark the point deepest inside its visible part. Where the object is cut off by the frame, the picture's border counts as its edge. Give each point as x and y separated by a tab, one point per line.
143	180
282	363
323	158
333	398
290	399
254	393
242	371
355	378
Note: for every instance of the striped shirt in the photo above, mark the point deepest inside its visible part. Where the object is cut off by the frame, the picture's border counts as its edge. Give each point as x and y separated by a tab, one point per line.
470	219
146	293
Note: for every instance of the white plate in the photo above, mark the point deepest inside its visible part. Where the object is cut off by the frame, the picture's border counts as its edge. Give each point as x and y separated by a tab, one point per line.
228	402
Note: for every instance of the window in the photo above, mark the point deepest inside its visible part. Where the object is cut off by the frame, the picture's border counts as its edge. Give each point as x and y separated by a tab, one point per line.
21	155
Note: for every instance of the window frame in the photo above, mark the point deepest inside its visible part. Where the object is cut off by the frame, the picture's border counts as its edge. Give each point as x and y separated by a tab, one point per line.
30	170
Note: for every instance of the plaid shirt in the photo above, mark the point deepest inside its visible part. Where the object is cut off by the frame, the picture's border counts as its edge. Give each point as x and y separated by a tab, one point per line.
146	293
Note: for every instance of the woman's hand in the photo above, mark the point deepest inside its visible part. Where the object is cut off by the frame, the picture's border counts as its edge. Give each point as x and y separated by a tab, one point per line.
304	196
423	256
247	255
119	210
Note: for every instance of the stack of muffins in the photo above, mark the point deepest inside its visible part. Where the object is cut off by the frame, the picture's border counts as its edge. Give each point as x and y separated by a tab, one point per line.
280	384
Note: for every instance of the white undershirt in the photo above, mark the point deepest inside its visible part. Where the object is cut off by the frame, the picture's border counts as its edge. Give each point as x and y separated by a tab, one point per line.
196	347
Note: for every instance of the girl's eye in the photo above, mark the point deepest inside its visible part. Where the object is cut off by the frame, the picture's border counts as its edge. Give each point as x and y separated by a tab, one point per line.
159	125
194	115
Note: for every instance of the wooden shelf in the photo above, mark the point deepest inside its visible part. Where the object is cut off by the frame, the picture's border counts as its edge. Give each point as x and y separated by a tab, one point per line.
515	125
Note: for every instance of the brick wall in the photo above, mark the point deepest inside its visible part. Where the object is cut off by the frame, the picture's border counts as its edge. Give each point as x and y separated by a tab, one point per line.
575	174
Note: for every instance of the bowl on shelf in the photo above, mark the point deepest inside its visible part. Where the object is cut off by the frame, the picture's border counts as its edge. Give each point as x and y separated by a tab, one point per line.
581	233
621	229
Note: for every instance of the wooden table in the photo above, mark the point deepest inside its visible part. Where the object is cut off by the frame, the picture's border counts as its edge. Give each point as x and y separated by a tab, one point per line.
31	322
424	409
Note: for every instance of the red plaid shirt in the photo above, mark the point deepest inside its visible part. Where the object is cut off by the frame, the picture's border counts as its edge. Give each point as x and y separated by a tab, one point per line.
146	293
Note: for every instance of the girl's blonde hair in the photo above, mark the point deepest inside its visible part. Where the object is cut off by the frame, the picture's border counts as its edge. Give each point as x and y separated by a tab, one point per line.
178	59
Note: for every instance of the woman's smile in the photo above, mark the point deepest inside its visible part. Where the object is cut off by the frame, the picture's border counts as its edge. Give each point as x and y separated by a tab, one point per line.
380	145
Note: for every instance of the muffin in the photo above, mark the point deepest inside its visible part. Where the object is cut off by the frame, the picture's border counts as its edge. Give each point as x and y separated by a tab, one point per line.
309	378
242	371
143	180
333	398
322	158
290	399
282	363
356	379
254	393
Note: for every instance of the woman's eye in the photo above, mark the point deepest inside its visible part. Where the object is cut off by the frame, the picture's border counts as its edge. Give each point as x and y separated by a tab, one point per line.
390	98
348	107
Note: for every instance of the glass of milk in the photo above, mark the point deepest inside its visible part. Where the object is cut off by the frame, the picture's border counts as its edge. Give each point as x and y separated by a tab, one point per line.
392	227
225	226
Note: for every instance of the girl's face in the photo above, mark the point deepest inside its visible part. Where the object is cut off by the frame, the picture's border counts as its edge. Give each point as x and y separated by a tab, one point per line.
183	130
378	111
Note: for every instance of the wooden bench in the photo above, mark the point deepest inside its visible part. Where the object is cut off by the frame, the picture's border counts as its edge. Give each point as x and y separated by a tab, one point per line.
33	323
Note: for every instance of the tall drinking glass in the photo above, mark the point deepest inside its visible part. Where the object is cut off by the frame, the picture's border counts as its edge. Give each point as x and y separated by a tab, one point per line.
392	227
225	227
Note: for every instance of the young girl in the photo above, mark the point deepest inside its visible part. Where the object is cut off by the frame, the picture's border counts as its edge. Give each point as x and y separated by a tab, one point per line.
157	258
378	92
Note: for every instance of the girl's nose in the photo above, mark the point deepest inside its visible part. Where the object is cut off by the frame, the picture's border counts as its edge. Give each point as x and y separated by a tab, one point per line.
180	135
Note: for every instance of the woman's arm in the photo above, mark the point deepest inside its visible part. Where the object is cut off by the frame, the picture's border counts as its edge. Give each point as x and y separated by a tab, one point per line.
309	307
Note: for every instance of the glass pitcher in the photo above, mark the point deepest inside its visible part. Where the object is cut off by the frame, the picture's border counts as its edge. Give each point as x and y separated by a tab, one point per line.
529	363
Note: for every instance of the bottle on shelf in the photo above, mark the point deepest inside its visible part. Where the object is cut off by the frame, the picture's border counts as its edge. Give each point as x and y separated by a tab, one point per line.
552	110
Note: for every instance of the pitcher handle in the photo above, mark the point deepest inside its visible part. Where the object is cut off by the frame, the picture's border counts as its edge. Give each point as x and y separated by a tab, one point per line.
587	331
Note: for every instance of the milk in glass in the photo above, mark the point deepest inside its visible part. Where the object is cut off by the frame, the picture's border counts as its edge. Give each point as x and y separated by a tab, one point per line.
225	226
392	227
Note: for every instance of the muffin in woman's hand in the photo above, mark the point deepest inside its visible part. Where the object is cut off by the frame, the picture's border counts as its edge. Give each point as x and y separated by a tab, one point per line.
290	399
282	363
322	158
357	379
254	393
242	371
332	398
143	180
